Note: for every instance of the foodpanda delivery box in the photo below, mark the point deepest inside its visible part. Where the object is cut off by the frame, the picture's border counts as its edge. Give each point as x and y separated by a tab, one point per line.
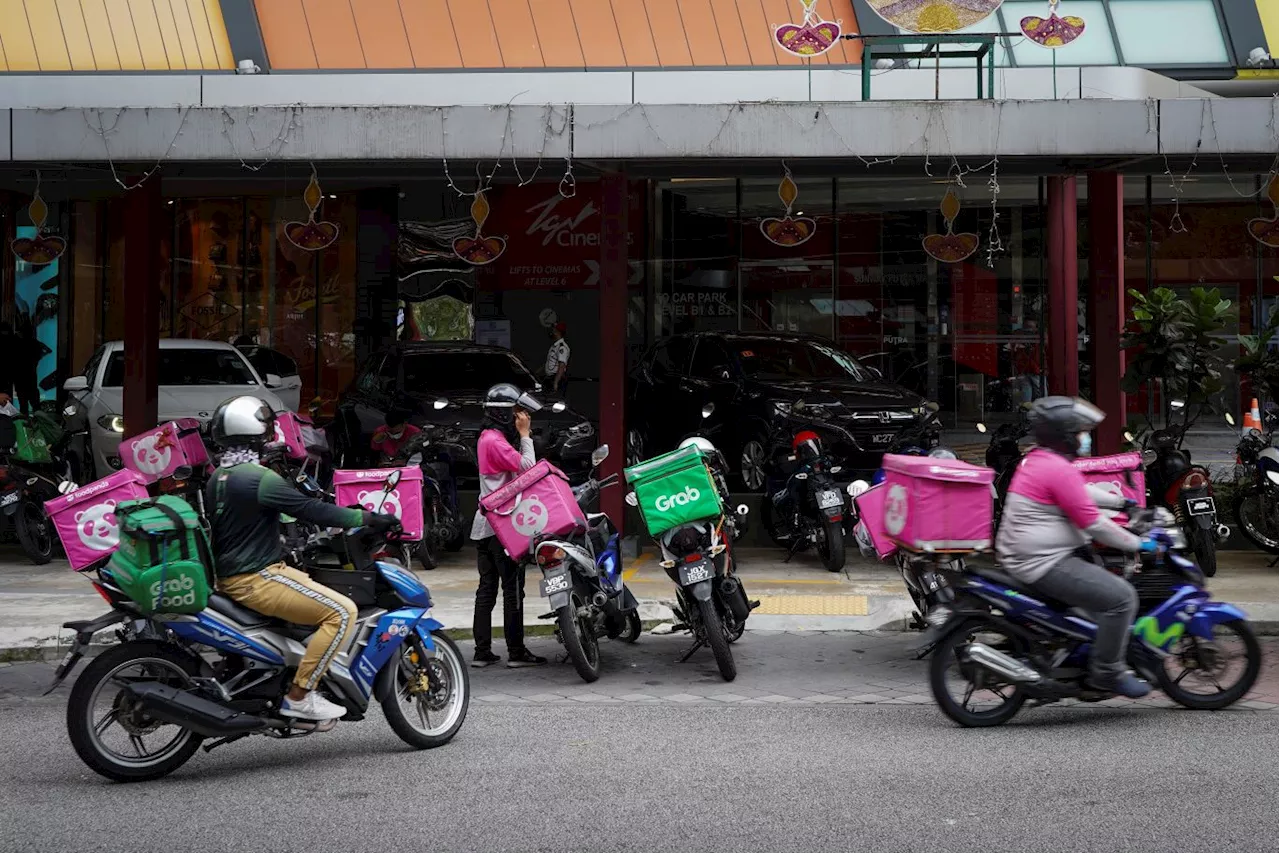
537	503
935	505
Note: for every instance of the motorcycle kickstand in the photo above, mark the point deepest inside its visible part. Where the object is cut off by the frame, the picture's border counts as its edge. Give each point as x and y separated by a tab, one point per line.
795	549
697	644
210	747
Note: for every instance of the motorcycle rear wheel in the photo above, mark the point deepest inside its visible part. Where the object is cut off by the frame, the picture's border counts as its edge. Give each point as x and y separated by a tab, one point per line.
1212	702
634	628
713	629
831	546
1205	546
582	645
35	532
946	654
1251	512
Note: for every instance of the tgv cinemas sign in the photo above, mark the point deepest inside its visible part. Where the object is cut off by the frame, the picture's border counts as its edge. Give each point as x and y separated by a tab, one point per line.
553	242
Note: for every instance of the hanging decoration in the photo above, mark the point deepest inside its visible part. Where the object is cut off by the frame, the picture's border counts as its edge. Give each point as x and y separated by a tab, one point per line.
788	231
1265	230
950	248
312	235
811	37
934	16
479	250
41	248
1053	31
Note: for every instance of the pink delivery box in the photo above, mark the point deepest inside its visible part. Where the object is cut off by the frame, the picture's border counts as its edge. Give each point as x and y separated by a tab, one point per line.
870	505
289	433
86	520
933	505
157	453
365	489
1121	474
537	503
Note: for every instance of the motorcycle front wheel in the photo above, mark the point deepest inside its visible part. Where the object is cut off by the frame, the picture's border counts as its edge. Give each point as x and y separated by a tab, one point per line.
1205	545
579	641
1256	512
431	692
1207	661
713	629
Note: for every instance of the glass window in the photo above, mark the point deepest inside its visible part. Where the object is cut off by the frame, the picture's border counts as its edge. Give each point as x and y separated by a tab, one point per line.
670	358
1094	46
710	359
189	367
787	286
1175	32
779	358
206	300
699	274
462	371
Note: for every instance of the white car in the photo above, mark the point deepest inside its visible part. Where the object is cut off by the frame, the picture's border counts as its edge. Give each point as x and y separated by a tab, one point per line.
195	377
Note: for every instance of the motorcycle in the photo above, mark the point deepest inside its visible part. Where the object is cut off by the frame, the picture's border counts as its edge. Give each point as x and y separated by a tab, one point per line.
818	520
582	579
443	529
1186	490
23	493
1016	644
1258	487
1004	452
176	680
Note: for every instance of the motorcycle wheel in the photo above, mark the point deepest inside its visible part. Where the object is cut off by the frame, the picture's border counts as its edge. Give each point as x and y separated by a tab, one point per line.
831	546
1197	654
1256	512
446	692
459	539
1205	546
634	628
426	554
769	521
583	646
35	532
713	629
946	654
88	726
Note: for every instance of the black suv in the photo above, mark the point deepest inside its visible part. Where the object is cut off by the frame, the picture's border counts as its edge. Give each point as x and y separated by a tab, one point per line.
763	388
444	385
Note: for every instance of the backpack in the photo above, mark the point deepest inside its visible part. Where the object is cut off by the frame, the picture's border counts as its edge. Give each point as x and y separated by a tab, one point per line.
163	561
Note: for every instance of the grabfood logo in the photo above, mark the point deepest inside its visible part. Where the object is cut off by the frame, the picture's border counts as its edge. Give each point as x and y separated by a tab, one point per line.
180	592
666	503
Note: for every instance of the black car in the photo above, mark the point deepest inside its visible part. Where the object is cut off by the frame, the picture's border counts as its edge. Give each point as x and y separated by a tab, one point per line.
444	385
763	387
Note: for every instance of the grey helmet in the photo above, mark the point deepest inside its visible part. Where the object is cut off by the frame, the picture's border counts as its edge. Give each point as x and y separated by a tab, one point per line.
1056	422
501	401
243	422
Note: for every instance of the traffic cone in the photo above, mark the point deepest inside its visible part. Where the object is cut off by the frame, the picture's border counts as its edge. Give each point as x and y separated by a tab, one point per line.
1252	420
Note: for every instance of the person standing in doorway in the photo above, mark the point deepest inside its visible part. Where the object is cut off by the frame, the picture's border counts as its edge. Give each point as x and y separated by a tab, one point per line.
507	426
556	370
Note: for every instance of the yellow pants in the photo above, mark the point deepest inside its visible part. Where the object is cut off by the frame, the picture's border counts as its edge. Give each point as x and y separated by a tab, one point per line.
285	593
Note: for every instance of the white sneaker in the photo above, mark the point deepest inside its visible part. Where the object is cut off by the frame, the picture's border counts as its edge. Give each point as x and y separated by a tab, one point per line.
313	707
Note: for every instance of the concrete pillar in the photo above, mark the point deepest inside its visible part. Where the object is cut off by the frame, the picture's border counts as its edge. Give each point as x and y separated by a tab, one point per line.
1062	357
1106	304
144	232
613	335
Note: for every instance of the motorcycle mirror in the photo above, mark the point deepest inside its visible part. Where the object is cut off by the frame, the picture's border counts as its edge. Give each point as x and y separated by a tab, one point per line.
182	472
743	510
836	469
1128	436
857	487
598	455
558	407
802	476
1230	420
442	403
631	499
708	410
66	487
393	480
1148	456
982	428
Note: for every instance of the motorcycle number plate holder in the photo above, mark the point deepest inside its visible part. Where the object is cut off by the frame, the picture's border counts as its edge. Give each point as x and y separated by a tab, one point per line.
829	498
1201	506
556	582
691	573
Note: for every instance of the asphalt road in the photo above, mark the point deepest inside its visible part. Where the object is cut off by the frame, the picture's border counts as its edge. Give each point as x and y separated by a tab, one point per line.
669	773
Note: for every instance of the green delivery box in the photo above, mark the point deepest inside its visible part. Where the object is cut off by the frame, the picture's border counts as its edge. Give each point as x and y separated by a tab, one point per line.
674	489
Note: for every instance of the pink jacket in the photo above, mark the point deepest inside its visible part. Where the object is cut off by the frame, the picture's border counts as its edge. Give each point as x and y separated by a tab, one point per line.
499	463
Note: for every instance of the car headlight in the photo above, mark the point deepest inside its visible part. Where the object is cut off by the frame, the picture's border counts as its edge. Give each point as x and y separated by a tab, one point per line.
114	423
582	430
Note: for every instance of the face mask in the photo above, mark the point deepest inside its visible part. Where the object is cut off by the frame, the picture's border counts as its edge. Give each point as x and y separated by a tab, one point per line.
1085	443
395	434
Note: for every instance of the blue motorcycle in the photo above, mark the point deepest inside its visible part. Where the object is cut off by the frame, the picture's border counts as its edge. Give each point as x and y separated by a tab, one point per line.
142	709
1008	644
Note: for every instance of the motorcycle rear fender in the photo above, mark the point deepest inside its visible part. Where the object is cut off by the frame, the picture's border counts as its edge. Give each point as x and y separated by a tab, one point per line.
701	590
84	631
559	599
1213	613
628	602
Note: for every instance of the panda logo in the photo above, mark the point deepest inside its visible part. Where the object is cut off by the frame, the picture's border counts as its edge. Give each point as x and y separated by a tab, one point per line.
279	438
530	516
97	527
375	502
895	509
152	454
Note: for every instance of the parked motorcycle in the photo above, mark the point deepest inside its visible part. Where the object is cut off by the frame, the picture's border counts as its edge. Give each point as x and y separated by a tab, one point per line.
23	493
1008	642
142	709
1004	452
805	507
443	527
1258	487
582	579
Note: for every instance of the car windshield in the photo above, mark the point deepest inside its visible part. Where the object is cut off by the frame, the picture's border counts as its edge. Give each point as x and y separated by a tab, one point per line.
462	371
777	358
188	367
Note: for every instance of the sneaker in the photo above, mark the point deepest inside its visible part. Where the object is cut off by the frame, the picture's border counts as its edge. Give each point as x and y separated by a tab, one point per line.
483	659
1127	685
523	658
312	707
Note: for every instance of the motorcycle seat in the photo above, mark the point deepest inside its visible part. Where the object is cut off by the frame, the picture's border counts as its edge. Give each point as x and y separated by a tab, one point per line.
996	576
242	616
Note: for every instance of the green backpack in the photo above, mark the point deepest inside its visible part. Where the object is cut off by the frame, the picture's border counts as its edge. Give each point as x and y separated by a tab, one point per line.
163	563
674	489
32	443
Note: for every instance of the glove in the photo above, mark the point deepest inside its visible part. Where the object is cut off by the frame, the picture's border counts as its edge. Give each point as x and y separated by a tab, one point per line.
1149	546
380	521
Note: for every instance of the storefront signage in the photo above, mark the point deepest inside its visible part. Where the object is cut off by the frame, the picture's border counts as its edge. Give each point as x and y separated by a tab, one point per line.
697	304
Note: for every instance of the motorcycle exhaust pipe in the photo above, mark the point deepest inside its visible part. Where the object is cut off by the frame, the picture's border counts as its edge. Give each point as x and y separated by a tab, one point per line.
734	595
1001	664
599	599
206	718
1224	533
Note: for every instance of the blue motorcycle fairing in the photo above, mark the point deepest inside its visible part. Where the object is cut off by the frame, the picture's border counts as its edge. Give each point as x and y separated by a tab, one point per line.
390	632
1211	613
407	587
424	628
206	628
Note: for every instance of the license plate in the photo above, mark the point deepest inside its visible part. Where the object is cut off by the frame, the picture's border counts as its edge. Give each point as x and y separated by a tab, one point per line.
829	499
552	584
11	498
691	573
1201	506
882	438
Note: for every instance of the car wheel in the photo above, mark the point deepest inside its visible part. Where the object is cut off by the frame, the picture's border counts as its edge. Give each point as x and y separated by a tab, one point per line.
635	447
751	466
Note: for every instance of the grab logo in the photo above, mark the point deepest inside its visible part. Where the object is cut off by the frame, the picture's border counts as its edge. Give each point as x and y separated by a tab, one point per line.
665	503
181	593
895	509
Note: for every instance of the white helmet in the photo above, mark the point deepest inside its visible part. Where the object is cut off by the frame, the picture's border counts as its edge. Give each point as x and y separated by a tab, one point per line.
244	421
707	448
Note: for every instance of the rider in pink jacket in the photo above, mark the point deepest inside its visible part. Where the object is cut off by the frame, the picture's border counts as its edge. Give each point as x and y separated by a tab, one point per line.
1048	515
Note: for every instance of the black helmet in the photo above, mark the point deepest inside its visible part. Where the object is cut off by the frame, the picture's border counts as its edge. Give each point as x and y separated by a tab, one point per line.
1056	422
501	401
243	422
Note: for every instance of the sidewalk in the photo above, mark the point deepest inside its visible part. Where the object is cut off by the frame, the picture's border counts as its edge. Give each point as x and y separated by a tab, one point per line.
799	596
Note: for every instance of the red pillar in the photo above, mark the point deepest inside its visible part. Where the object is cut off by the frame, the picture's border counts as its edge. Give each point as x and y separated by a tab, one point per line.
613	335
1062	355
1106	303
144	231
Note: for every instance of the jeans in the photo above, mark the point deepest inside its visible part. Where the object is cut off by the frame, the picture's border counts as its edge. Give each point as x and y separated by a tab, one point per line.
496	567
1110	600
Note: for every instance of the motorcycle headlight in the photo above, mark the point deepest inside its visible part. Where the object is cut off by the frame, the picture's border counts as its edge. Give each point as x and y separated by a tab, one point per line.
582	430
114	423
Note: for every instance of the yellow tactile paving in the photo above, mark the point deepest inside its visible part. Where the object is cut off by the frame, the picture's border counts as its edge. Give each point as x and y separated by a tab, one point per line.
813	605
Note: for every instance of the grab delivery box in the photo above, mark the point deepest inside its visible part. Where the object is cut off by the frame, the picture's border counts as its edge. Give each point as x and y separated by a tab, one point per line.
674	489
